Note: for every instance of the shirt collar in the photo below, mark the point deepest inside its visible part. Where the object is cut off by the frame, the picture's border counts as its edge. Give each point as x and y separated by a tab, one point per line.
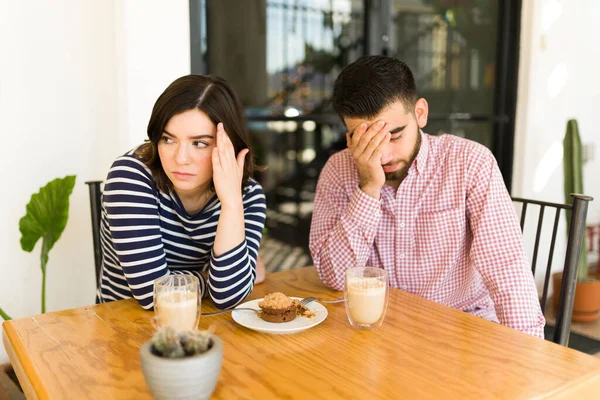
420	162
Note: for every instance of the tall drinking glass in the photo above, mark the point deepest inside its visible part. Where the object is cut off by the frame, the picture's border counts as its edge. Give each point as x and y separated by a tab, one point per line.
177	302
366	291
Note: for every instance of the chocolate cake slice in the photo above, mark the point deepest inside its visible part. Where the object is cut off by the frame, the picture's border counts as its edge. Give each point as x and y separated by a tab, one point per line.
277	307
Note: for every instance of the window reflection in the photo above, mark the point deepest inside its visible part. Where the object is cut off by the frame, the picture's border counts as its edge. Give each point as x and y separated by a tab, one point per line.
308	42
283	56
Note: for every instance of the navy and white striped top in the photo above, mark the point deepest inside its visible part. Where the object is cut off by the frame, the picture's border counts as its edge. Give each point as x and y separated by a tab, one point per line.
147	233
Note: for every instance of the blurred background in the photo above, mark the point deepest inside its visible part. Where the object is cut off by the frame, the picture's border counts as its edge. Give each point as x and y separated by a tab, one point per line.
283	56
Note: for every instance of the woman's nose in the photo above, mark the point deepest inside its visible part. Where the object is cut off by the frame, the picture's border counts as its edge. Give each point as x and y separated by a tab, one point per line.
182	156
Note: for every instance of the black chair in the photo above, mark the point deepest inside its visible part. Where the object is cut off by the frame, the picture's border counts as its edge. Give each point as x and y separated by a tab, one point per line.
574	247
96	210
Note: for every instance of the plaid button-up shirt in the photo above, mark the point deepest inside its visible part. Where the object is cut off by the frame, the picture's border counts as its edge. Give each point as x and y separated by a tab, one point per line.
449	233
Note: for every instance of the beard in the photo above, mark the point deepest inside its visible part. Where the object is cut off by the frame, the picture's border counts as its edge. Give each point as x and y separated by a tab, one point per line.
401	173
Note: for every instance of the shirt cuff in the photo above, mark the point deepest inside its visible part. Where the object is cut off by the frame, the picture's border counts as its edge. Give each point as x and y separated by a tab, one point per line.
364	209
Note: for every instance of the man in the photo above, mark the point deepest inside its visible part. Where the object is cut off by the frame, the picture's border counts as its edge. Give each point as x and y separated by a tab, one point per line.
432	211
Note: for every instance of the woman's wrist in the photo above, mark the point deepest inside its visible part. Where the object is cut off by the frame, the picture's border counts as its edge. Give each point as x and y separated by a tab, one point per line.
233	204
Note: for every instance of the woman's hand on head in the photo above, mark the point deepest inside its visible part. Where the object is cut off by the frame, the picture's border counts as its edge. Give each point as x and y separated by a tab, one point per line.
228	170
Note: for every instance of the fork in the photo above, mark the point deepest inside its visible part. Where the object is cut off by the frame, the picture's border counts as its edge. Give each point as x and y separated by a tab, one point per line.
304	302
210	314
308	300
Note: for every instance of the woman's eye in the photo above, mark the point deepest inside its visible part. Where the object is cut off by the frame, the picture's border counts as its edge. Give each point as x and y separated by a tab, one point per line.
166	139
200	144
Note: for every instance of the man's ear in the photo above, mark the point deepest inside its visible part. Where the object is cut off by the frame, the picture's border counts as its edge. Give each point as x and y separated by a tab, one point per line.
421	112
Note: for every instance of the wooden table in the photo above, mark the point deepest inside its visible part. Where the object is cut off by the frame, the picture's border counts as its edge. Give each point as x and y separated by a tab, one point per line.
422	351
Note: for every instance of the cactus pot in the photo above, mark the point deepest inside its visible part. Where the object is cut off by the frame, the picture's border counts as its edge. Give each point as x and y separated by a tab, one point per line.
586	305
193	377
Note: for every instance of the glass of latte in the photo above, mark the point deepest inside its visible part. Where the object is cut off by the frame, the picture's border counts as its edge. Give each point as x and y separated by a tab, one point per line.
366	291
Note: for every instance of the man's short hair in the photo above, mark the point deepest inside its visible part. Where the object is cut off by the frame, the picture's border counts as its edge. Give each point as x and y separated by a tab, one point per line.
370	84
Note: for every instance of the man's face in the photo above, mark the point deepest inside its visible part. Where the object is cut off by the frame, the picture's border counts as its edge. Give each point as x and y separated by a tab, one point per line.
405	139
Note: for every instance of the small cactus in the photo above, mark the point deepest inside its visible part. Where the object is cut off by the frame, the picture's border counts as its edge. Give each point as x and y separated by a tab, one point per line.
573	183
196	342
169	343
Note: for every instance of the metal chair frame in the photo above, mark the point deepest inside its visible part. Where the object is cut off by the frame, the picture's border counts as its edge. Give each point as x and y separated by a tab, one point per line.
96	214
574	247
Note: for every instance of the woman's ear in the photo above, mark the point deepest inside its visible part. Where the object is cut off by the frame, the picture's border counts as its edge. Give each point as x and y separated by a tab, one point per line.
421	112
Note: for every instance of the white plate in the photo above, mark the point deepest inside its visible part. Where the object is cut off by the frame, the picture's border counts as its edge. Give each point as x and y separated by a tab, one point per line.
251	320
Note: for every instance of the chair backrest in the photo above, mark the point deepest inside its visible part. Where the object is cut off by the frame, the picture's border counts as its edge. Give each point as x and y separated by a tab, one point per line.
96	211
574	247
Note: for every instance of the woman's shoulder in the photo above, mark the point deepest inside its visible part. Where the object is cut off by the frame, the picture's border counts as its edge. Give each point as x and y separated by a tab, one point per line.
253	194
252	188
131	165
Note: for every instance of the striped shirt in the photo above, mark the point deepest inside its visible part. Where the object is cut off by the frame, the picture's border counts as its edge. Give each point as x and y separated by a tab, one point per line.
449	233
147	234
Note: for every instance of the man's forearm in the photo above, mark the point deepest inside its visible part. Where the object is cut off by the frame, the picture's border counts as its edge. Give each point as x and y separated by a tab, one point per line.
339	241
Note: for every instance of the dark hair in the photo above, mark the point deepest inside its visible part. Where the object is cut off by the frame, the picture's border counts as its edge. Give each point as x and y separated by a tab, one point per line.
370	84
214	97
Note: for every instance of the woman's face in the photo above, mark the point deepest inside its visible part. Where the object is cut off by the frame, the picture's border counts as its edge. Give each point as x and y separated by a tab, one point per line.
185	151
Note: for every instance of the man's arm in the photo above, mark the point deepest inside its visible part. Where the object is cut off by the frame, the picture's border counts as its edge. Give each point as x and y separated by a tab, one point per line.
343	228
497	249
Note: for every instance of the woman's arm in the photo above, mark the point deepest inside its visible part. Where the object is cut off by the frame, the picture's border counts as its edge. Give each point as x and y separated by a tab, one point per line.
232	274
239	230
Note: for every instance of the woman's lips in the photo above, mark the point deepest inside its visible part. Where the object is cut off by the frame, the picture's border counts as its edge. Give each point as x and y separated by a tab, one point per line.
182	175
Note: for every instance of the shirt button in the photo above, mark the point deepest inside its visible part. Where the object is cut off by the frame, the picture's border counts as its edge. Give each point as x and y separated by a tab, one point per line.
402	224
402	256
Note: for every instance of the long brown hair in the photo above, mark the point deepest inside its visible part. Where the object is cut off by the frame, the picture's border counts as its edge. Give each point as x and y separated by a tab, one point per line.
214	97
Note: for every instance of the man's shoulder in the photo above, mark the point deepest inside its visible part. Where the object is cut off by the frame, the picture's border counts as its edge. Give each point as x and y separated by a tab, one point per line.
341	162
458	147
339	168
341	158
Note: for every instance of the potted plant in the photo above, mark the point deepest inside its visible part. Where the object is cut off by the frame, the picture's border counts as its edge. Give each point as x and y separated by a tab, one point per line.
182	365
46	217
586	305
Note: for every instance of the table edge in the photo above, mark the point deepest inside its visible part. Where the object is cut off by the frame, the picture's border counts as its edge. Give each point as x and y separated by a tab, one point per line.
585	387
12	341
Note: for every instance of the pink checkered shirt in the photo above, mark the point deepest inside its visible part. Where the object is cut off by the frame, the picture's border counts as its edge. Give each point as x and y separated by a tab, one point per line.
449	233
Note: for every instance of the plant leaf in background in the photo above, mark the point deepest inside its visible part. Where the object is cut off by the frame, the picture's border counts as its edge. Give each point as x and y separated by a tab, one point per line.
4	315
573	183
46	218
47	213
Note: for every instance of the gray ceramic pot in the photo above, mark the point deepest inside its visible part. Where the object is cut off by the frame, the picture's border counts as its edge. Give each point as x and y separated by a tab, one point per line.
182	378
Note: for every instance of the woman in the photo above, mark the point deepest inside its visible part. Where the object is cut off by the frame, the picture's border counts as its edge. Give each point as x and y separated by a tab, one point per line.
185	202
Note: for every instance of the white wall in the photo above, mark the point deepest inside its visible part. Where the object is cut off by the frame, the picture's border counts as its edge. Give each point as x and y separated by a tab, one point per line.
77	83
153	49
558	80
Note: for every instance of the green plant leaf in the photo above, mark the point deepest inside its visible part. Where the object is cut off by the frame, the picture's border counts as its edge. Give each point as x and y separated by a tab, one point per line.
47	214
4	315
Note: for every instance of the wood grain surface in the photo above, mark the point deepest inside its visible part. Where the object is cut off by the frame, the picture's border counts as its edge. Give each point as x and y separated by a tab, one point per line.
423	350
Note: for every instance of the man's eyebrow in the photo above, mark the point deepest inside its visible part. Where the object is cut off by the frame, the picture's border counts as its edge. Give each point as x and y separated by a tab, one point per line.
398	129
191	137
